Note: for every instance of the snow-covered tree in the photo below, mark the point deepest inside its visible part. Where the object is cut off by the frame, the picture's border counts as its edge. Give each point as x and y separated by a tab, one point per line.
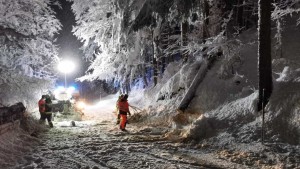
27	48
126	40
130	39
114	53
282	9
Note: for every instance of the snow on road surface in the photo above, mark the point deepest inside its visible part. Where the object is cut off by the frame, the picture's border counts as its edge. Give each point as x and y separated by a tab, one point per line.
103	110
103	145
97	142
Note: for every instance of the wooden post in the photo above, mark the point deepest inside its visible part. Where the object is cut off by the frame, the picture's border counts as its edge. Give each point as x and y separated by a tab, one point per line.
263	121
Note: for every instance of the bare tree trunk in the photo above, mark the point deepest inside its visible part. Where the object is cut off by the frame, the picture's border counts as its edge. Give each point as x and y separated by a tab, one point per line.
154	60
240	13
143	69
155	72
264	53
165	43
205	13
163	65
188	97
170	57
125	86
184	31
184	39
128	88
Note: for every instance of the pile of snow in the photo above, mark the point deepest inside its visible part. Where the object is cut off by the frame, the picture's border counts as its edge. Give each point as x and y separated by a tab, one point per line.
13	145
229	118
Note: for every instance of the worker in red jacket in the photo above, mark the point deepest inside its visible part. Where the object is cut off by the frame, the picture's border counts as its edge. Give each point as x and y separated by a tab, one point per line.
42	104
123	111
45	108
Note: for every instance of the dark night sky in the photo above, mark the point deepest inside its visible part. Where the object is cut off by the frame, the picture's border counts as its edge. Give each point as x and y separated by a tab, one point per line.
68	43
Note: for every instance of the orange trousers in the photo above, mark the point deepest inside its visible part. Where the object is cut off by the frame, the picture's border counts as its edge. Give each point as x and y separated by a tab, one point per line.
123	121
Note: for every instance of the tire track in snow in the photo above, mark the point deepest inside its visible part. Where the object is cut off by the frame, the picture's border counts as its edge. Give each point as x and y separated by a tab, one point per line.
104	146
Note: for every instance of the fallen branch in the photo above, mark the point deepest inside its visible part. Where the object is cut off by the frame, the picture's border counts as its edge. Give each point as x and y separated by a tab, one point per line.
136	109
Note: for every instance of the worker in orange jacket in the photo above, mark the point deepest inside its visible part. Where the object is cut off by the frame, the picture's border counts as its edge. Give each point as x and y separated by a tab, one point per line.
123	111
117	108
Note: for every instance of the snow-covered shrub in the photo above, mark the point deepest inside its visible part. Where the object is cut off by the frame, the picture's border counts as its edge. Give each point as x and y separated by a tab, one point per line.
283	112
230	65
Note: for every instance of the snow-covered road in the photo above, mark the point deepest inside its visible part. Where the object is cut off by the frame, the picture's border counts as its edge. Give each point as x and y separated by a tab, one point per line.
95	145
97	142
102	145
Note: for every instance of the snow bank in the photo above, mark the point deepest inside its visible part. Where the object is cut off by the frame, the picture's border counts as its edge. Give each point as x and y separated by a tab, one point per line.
226	100
283	117
239	121
226	117
13	145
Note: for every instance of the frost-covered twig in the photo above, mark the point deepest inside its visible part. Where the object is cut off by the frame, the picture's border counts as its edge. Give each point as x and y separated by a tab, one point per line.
136	109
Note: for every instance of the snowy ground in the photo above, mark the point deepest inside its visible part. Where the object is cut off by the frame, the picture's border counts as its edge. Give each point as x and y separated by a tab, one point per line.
97	142
102	145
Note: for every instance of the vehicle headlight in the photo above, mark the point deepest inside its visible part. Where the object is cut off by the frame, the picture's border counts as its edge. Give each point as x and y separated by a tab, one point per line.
80	105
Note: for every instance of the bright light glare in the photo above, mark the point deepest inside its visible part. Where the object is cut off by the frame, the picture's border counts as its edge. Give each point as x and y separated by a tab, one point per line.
80	105
71	89
60	88
62	93
66	66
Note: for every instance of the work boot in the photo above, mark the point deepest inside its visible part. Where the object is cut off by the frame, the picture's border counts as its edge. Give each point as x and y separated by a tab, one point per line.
118	121
51	124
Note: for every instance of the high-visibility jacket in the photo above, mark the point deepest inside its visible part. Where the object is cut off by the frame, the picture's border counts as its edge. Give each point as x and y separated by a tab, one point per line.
42	104
123	106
